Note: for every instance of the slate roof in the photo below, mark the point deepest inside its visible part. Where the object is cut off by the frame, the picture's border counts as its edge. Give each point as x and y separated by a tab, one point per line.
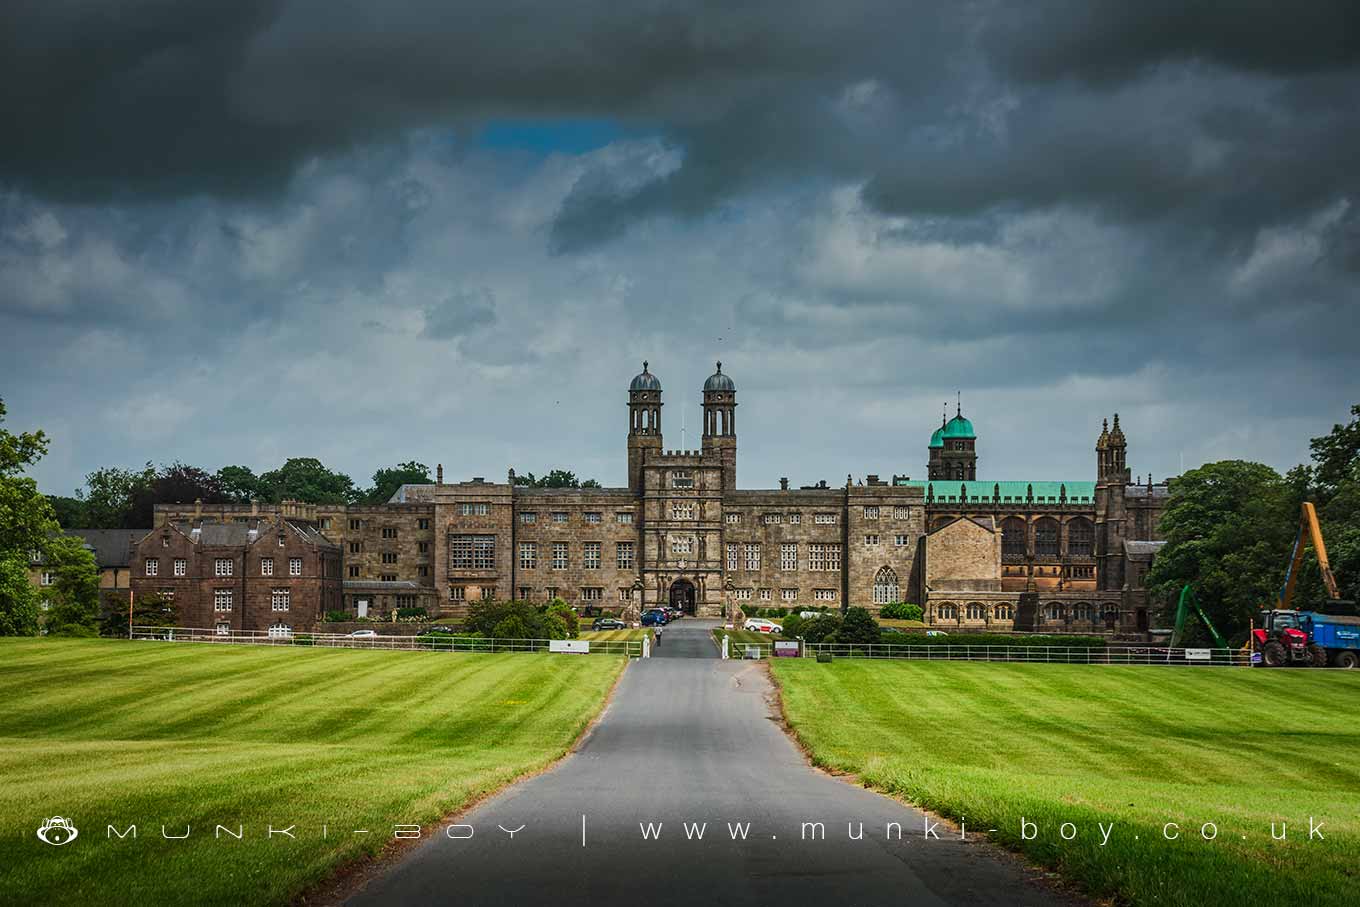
112	547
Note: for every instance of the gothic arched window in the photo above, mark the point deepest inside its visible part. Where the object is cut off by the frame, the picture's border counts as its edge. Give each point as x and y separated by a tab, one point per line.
1081	538
1046	538
949	611
976	611
885	586
1013	537
1003	612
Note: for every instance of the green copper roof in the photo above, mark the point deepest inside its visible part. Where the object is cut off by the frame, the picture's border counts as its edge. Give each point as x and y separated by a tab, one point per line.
959	427
954	491
937	439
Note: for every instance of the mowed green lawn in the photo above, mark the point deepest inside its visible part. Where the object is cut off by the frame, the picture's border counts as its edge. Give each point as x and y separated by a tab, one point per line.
1134	746
108	732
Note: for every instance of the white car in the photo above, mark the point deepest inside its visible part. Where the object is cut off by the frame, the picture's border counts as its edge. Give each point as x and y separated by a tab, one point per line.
936	633
364	634
761	625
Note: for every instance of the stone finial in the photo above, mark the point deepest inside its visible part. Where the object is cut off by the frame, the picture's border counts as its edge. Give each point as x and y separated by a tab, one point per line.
439	473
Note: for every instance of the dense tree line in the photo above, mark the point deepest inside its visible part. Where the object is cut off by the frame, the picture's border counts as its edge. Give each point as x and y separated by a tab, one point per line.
117	498
1230	529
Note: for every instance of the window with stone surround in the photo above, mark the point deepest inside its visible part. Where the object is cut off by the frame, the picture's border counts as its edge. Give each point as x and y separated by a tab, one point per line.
900	540
591	594
280	599
825	557
871	513
788	556
181	566
1013	537
871	540
389	532
824	595
1081	538
457	593
795	518
788	595
528	518
752	557
624	517
593	516
528	555
590	555
356	547
295	565
682	510
824	519
472	552
733	556
772	518
423	523
222	566
354	570
221	599
473	509
732	518
625	593
885	586
765	595
153	567
560	516
1046	538
389	557
742	595
901	513
559	558
488	593
682	478
623	555
681	544
266	566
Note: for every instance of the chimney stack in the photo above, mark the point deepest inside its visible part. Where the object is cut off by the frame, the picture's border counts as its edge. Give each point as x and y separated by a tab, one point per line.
784	483
439	474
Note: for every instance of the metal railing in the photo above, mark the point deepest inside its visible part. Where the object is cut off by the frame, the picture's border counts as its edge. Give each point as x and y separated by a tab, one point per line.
1112	655
633	648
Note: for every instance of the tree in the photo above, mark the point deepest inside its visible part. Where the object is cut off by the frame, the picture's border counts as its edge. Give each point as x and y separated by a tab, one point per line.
240	484
306	479
26	517
819	629
1336	490
74	594
108	494
69	512
557	478
148	611
901	611
386	481
1229	529
571	623
1336	454
858	627
18	598
177	483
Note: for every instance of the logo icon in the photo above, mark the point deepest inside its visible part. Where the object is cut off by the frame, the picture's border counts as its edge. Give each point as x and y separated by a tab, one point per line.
57	831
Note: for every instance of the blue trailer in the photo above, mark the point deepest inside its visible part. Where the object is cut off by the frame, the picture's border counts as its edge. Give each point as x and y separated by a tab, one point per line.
1334	637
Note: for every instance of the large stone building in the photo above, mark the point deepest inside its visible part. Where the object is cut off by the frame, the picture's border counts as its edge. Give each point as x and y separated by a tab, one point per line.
975	554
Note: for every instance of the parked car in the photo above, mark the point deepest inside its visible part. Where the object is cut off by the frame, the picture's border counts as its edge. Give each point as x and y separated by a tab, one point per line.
761	625
363	634
673	613
936	633
654	618
608	623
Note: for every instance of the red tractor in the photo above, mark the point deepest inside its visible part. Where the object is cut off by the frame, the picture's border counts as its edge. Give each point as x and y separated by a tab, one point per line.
1281	641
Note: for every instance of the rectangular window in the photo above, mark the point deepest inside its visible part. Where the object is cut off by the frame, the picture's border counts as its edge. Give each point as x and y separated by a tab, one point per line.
356	547
590	555
153	567
752	557
733	556
387	577
550	592
871	540
871	513
282	541
901	513
825	557
477	509
528	556
181	566
423	523
528	518
624	517
559	516
824	519
765	595
682	510
742	595
47	578
266	566
795	518
354	571
472	552
389	532
682	478
525	593
223	566
626	594
168	594
488	593
623	555
825	595
789	595
406	601
457	593
389	557
295	566
900	540
221	599
591	594
788	556
423	570
422	547
279	599
732	518
773	518
593	517
356	524
680	544
559	561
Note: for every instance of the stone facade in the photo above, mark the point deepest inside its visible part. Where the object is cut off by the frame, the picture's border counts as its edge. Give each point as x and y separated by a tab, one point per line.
681	532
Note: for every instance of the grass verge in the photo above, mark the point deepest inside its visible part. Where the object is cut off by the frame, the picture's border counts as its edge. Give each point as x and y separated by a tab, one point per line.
107	732
1130	747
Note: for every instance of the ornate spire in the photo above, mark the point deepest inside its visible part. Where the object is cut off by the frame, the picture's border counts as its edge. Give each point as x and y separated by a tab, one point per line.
1104	440
1116	433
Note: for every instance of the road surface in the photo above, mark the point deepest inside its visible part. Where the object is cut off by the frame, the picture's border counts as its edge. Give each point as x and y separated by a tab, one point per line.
688	738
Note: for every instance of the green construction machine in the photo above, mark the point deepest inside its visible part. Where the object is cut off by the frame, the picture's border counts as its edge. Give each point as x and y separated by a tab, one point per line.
1188	602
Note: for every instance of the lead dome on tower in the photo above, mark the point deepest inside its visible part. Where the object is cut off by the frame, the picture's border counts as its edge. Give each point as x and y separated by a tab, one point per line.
719	382
645	381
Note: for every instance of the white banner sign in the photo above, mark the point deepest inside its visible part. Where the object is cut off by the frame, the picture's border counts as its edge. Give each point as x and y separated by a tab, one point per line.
569	646
786	649
1198	654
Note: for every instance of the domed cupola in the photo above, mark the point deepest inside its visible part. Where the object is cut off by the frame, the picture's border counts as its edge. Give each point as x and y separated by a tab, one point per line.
645	381
719	382
953	449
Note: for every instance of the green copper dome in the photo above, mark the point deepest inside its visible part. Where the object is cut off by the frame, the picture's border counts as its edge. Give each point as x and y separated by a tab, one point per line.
937	439
958	427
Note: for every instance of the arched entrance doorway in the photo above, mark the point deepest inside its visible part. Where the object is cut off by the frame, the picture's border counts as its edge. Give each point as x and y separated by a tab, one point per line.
682	596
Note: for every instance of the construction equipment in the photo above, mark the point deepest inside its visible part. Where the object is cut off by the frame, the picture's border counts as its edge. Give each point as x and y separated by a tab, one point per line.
1188	601
1287	636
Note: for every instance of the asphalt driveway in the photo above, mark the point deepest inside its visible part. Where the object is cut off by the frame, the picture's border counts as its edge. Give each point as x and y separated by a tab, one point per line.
690	739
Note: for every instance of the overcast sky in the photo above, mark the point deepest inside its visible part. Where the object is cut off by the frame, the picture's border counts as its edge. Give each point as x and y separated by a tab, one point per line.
238	231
